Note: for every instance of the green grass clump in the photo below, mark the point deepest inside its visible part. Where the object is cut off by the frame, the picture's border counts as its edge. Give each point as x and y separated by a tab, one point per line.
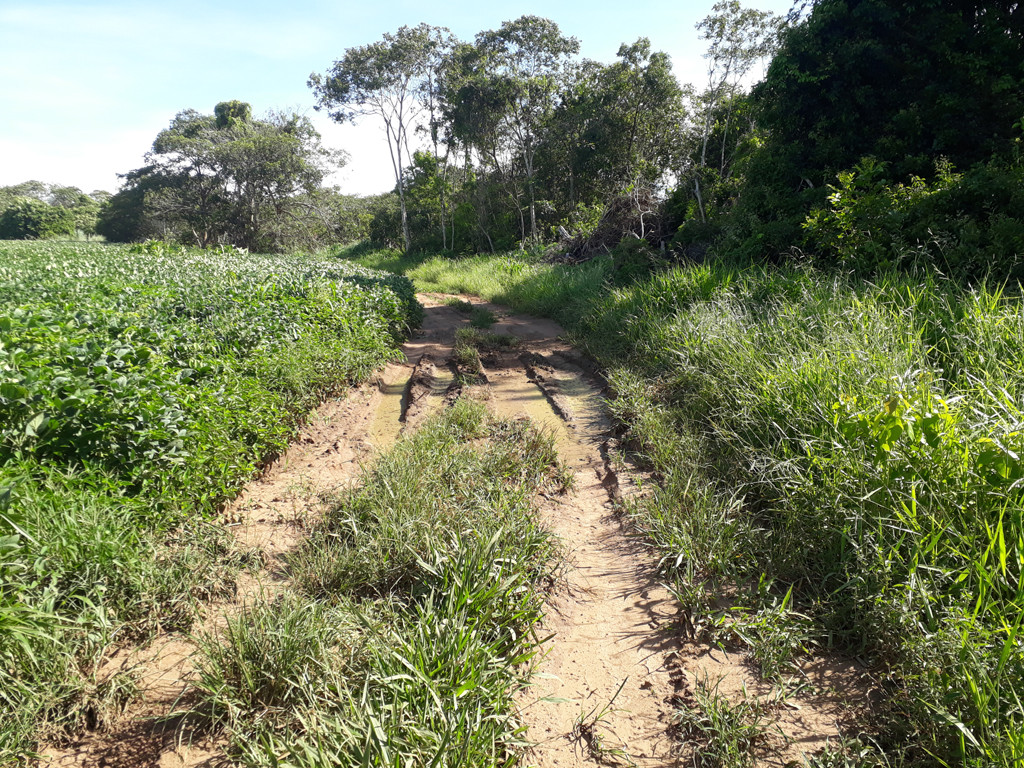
460	305
413	622
723	733
848	455
482	318
470	342
858	445
140	387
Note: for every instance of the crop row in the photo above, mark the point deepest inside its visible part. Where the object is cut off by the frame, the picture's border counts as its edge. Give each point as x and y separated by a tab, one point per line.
139	388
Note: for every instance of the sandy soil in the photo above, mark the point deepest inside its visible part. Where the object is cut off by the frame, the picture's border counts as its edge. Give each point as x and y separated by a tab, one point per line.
615	667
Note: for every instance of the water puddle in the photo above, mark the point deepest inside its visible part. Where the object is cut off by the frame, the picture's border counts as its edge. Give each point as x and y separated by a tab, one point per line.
387	424
513	396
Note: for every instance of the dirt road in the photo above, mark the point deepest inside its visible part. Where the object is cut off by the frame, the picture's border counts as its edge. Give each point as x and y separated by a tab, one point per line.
614	667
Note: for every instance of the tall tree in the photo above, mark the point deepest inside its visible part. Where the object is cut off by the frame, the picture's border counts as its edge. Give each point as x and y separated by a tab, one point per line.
901	81
528	58
738	39
225	175
507	88
389	79
617	126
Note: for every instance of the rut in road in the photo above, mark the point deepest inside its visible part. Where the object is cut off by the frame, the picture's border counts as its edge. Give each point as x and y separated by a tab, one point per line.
614	667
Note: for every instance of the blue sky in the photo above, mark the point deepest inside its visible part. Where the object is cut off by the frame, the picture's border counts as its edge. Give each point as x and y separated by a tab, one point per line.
86	86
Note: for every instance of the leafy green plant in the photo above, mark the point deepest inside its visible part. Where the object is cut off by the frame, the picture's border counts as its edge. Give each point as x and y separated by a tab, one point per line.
140	388
482	318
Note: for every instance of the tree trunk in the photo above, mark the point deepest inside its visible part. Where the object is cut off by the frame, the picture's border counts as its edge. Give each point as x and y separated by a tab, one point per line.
405	218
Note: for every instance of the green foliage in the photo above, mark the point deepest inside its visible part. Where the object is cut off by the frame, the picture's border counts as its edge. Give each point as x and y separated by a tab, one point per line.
30	219
482	318
224	178
83	208
417	623
903	82
908	84
727	735
967	224
140	388
851	448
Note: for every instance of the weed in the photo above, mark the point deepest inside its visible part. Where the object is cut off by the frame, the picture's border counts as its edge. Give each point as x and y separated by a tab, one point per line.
482	318
586	730
415	623
485	342
724	734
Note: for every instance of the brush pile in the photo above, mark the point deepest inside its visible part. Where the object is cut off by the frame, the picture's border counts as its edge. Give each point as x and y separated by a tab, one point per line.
635	215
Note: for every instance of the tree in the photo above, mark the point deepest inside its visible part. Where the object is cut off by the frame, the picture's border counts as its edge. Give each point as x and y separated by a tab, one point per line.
521	70
388	79
30	219
738	38
84	208
616	127
223	176
903	82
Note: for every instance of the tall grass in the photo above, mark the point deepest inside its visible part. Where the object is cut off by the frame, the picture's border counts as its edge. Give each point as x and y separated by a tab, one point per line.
845	451
413	622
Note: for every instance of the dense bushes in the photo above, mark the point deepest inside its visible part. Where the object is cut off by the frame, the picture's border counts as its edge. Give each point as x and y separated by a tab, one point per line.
30	219
968	225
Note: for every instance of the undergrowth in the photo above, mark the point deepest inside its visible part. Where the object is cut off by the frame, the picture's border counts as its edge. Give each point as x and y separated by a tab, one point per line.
411	623
844	455
140	387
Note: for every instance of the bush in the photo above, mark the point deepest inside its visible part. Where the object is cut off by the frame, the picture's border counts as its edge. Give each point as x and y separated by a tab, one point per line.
31	219
968	225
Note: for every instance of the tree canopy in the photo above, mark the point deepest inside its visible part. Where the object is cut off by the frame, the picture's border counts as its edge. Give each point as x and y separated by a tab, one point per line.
223	177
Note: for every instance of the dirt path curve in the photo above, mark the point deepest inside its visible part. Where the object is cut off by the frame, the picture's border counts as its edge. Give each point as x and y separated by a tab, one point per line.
605	684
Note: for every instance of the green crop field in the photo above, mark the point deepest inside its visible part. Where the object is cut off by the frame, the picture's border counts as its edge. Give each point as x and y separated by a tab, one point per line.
139	388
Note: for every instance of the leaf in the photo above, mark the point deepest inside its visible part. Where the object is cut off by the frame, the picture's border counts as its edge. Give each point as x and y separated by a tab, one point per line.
36	425
11	391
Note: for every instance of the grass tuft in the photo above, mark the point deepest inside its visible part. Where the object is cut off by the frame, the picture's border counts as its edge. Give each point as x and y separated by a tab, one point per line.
413	622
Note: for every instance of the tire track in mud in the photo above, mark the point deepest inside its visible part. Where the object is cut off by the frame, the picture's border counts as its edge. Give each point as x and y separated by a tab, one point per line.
614	666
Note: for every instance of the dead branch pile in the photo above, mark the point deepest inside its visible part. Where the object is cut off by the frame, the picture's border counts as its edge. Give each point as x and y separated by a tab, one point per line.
635	215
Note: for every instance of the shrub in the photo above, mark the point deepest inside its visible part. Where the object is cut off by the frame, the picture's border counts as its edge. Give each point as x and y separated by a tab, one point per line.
31	219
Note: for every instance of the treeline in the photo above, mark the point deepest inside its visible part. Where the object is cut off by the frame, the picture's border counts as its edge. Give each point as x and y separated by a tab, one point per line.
882	134
521	141
33	210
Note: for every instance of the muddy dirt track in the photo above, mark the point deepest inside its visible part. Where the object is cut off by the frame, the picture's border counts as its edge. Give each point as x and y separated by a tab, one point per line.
616	665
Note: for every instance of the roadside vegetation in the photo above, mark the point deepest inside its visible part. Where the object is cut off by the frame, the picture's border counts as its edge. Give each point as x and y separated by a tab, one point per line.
845	454
806	295
812	335
410	623
141	387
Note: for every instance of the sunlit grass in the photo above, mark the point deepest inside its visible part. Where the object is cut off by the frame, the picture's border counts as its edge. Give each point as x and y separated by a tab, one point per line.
853	449
413	625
